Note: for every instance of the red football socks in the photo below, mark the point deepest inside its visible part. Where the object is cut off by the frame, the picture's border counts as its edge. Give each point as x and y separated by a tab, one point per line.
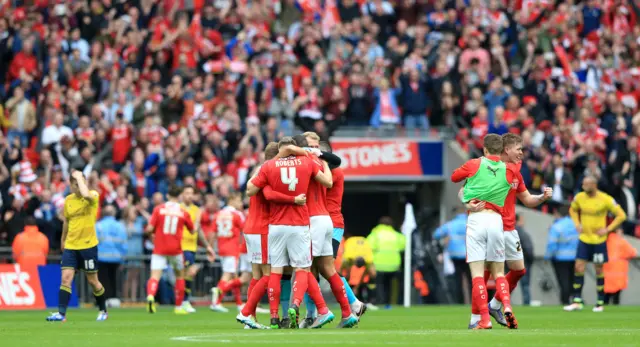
237	295
513	277
274	294
315	293
337	287
300	286
225	286
479	298
179	291
152	286
251	285
502	292
255	295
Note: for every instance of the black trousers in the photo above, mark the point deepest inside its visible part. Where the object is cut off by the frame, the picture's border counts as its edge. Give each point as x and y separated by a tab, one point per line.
462	274
107	273
613	298
384	281
564	274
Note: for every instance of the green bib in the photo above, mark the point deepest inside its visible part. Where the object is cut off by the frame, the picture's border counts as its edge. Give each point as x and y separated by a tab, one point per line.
488	184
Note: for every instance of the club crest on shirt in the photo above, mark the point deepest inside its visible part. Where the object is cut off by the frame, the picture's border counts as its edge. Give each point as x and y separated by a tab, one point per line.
515	183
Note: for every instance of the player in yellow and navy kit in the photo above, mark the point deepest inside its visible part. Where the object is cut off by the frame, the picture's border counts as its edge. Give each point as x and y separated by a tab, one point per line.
589	211
79	245
190	246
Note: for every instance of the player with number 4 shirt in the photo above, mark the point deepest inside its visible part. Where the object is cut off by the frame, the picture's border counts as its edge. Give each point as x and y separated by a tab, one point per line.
167	224
289	235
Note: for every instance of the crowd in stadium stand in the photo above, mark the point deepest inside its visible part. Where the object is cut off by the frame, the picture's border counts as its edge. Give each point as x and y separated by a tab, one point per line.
143	94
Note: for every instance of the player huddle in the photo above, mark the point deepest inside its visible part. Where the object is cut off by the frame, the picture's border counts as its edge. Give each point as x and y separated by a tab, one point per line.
293	228
492	184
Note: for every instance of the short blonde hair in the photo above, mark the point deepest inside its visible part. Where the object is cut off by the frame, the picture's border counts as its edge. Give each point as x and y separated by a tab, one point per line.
311	135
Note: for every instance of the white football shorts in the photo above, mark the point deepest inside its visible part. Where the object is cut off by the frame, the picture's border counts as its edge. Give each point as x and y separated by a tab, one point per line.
245	263
160	262
229	264
512	246
485	238
289	245
257	248
321	236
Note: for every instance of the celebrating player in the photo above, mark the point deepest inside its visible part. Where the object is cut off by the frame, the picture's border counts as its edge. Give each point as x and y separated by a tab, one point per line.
79	245
488	180
321	229
334	205
512	156
190	246
227	228
256	235
589	211
289	236
167	224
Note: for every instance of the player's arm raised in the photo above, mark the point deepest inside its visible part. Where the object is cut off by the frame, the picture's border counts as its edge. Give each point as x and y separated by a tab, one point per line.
289	150
333	160
324	177
82	186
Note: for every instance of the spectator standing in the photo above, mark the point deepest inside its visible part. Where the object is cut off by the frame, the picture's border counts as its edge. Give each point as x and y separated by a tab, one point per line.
112	249
528	252
561	251
55	132
616	270
30	247
22	117
386	111
415	101
560	179
387	245
453	235
134	226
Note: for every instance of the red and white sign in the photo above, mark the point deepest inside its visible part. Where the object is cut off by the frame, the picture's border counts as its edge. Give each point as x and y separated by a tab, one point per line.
378	158
20	288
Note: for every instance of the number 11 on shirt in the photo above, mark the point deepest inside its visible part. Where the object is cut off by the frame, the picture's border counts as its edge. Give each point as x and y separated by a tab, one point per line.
170	225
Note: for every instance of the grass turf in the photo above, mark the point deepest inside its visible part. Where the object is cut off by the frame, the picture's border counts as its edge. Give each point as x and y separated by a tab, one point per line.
418	326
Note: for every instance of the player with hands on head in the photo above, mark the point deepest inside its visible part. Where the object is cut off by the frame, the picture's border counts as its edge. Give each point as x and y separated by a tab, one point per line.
79	245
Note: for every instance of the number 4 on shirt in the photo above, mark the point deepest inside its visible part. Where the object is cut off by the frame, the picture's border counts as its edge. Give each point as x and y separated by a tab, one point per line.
289	177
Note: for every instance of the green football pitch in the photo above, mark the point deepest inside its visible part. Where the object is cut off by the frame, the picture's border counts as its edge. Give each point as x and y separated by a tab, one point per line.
419	326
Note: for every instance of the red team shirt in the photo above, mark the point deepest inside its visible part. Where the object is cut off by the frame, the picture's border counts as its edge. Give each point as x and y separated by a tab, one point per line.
258	216
334	198
228	225
289	176
509	209
169	220
317	197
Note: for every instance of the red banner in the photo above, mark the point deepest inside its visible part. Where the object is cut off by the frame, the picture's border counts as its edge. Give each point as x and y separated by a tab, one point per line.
378	158
20	288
